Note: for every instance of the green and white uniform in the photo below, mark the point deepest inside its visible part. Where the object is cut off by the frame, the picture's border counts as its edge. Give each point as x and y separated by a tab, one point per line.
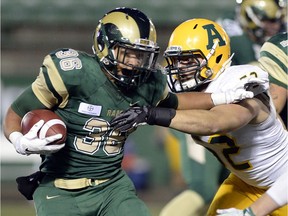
274	59
72	84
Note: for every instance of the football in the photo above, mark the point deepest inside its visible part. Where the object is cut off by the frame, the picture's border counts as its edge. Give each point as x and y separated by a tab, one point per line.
53	124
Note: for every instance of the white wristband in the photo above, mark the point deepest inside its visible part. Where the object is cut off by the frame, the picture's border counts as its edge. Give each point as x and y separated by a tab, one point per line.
218	98
14	139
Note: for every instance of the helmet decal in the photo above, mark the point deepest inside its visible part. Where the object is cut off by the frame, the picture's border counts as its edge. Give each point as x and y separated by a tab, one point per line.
125	44
212	35
198	51
140	19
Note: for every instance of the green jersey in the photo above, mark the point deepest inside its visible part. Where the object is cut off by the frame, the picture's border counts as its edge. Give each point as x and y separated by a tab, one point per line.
72	84
245	50
273	59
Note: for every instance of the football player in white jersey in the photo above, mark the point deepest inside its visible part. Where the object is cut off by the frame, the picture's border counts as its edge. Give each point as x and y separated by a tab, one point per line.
273	58
247	137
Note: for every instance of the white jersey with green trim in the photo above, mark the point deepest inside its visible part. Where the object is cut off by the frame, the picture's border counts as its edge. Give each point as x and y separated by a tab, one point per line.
256	153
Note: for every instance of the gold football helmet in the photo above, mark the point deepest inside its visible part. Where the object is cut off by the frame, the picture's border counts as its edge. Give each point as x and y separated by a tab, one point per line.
261	19
121	35
198	51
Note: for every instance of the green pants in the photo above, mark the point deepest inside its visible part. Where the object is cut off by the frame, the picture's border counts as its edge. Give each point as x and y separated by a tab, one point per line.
116	197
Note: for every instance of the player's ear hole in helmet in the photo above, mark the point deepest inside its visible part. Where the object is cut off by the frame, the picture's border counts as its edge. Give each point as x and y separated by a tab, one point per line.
124	42
198	51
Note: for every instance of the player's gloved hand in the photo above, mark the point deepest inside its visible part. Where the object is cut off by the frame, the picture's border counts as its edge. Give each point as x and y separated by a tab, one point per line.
135	116
31	144
262	81
235	212
246	88
230	96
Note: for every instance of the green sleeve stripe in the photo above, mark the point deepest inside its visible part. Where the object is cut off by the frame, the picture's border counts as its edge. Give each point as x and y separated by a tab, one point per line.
277	82
50	86
276	60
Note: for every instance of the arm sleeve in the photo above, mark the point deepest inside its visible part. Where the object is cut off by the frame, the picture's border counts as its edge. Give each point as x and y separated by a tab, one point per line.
279	190
171	101
25	102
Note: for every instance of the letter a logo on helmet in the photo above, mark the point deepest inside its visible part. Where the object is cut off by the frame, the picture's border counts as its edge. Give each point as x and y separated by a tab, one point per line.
194	38
212	35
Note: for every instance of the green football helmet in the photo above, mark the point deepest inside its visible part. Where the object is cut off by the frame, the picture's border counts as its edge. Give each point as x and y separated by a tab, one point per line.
120	34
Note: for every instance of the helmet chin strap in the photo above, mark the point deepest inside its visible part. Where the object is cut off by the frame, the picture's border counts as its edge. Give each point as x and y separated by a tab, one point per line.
205	61
189	84
212	50
226	64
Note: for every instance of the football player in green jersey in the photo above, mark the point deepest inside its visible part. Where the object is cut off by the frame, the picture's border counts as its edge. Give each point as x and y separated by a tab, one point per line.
84	175
254	22
274	59
257	21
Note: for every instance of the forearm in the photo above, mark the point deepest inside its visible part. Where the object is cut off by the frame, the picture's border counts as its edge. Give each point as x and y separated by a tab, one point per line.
194	100
12	122
279	96
208	122
29	143
264	205
194	122
274	198
206	101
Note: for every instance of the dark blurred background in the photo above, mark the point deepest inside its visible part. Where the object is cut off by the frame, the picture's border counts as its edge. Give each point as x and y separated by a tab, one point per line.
30	29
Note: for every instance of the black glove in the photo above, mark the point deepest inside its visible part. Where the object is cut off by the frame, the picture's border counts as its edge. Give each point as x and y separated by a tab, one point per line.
28	184
256	88
135	116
